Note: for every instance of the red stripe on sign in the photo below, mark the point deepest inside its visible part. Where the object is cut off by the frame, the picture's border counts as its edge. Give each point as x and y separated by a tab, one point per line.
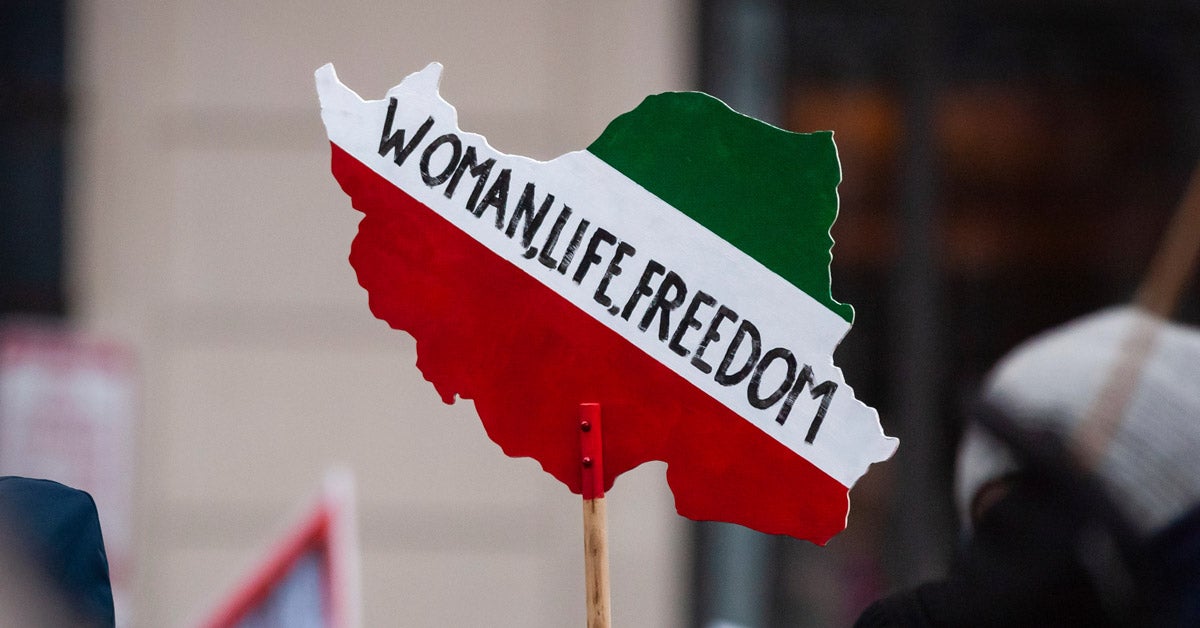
487	331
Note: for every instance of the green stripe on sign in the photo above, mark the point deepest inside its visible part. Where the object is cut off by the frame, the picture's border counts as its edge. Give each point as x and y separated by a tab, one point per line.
769	192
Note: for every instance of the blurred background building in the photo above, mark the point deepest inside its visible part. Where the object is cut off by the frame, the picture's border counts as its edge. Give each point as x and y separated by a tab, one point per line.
164	186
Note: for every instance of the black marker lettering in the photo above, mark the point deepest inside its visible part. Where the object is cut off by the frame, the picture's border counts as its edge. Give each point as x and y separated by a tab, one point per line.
643	288
624	249
497	196
806	378
591	258
569	254
824	389
753	390
746	329
395	141
662	303
689	321
479	171
712	335
533	220
455	144
564	215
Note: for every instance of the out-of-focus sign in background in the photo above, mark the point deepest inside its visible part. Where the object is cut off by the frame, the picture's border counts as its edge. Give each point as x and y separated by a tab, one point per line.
67	409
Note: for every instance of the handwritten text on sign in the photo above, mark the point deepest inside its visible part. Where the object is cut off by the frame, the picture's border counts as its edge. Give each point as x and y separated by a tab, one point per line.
772	379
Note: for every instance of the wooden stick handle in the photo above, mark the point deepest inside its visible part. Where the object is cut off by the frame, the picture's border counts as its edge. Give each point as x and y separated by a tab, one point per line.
1176	258
1159	293
595	563
595	524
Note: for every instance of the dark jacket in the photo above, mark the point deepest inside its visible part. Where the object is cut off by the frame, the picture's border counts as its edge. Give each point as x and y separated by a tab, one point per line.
53	531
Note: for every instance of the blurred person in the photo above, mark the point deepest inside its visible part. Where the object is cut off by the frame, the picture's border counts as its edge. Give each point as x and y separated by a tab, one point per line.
1053	537
55	567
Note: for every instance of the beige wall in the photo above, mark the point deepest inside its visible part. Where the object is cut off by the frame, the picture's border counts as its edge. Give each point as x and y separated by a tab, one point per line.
209	234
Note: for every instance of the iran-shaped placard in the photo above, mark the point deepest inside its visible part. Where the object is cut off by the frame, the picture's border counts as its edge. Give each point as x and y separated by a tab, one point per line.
676	272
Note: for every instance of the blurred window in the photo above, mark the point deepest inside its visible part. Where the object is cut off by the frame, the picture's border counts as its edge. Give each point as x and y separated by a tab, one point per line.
1037	149
33	116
